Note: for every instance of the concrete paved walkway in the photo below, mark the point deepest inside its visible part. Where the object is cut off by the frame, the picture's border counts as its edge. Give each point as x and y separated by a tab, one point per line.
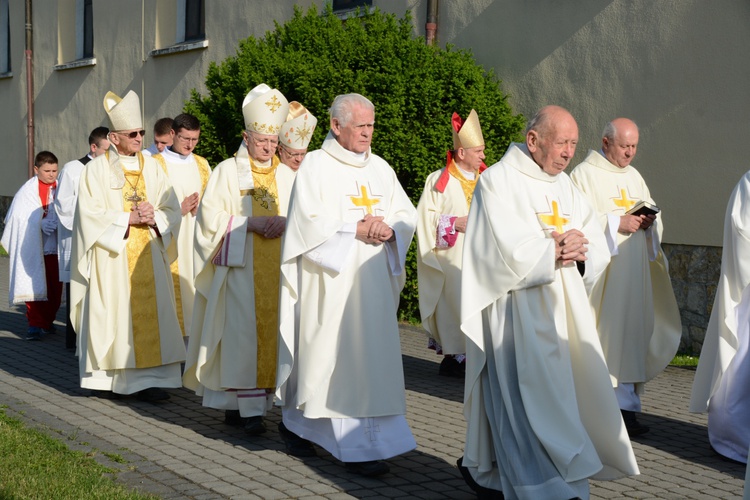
181	450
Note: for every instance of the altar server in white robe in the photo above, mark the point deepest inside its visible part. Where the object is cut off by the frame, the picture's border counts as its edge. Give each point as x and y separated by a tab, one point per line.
541	414
65	206
233	343
129	339
443	209
350	224
188	174
636	311
722	380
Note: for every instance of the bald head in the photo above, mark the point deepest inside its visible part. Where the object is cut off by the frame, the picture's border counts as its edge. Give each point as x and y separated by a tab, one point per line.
620	141
551	137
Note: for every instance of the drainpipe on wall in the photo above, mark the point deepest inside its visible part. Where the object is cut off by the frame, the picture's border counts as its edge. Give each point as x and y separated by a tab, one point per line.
29	90
430	27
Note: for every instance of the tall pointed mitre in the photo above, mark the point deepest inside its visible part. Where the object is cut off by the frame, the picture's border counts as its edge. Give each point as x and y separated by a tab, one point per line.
124	112
467	134
265	110
297	130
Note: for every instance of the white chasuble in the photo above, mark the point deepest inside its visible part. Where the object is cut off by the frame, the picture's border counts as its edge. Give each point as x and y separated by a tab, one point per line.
541	412
104	305
223	346
439	267
188	174
340	355
636	311
722	380
65	206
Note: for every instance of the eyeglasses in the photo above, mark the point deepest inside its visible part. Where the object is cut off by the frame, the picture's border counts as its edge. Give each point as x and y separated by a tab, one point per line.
187	139
296	156
264	142
133	134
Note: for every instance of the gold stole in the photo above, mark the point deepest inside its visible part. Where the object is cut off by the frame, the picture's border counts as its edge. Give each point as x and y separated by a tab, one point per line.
204	171
143	308
266	265
466	184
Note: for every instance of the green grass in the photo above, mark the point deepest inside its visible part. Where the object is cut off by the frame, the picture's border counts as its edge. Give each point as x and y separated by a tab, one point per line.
684	360
34	465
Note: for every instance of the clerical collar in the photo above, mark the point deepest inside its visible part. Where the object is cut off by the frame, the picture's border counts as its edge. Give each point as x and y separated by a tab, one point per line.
173	157
130	163
467	175
358	156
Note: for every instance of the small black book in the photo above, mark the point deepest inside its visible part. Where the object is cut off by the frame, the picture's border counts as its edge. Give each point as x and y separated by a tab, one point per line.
643	208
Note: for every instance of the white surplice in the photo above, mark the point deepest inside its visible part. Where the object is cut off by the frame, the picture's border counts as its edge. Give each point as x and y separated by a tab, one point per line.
65	206
722	380
100	285
541	412
636	311
340	373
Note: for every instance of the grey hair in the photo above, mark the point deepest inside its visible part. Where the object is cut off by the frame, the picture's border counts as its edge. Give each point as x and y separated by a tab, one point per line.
538	122
610	130
341	109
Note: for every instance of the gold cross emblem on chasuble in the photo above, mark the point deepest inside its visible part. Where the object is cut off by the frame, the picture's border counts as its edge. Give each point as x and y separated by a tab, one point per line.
624	201
364	201
555	219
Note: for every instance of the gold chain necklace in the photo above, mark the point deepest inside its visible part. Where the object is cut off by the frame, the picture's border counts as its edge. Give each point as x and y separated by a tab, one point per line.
135	197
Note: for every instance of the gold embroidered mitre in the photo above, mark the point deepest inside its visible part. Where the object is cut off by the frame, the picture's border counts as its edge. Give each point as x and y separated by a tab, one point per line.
265	110
297	130
124	112
467	134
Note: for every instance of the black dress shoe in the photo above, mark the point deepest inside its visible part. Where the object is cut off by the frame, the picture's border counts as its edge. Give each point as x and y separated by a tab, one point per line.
152	395
482	492
254	426
233	417
371	468
632	425
295	445
450	367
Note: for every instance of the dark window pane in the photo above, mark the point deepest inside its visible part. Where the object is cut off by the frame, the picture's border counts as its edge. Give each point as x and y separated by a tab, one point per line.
88	29
195	26
350	4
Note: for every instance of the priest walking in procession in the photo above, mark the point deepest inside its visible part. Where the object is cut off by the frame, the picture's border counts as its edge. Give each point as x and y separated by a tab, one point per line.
636	311
541	414
129	339
341	380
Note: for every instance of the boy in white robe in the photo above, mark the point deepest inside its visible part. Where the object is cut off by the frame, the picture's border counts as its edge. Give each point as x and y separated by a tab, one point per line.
30	238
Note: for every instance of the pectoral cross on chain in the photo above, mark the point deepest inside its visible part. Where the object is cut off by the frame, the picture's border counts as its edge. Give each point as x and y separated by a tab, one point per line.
134	198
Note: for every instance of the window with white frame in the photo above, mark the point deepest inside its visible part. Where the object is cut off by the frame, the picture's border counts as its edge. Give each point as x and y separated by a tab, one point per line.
4	37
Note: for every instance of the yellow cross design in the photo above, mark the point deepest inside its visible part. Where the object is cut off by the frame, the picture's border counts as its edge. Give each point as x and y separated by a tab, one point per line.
555	219
364	201
623	201
273	104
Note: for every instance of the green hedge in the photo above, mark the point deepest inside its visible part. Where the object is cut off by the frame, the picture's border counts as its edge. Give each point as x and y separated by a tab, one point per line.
415	88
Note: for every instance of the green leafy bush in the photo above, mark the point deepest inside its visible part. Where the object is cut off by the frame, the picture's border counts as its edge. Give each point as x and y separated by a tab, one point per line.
415	88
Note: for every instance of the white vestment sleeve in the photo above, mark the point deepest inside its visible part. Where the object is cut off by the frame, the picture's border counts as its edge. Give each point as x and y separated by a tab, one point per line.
613	224
113	239
334	252
653	242
394	250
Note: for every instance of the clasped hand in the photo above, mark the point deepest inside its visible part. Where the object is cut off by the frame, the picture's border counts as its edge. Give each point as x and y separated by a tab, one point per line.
49	225
268	227
373	230
190	204
570	246
141	214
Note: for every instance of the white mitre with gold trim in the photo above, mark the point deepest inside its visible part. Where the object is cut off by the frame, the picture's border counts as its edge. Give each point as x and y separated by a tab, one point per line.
265	110
124	112
297	130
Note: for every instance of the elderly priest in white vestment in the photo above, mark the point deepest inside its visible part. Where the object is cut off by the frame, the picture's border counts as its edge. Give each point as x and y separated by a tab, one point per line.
341	380
121	288
541	414
722	380
233	343
636	311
